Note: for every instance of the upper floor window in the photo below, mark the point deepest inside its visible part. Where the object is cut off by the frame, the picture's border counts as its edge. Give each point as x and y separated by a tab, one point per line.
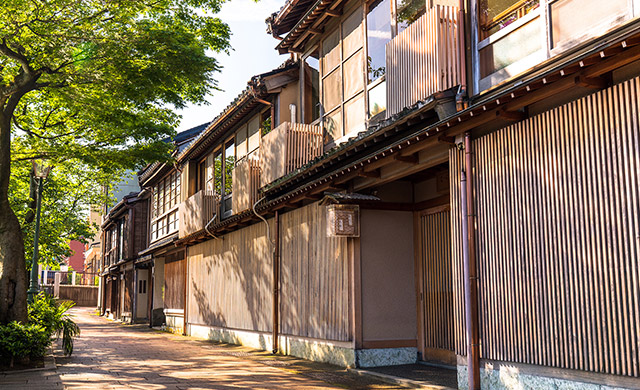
515	35
164	206
215	172
342	65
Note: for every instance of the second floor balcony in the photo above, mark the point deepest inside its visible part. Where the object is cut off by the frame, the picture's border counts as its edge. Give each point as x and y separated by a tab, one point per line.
423	59
287	148
246	182
197	211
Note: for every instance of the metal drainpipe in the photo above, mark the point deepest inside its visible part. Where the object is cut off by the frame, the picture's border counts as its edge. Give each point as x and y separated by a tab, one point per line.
462	61
276	270
470	267
186	275
276	283
153	281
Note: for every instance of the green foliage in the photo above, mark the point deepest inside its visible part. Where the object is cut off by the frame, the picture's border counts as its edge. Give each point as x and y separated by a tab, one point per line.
96	84
50	313
47	317
23	340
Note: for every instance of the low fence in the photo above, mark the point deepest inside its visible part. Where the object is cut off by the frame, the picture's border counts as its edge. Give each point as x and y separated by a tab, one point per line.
81	295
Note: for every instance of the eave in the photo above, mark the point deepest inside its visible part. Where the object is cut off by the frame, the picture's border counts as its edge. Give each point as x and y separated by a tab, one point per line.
584	67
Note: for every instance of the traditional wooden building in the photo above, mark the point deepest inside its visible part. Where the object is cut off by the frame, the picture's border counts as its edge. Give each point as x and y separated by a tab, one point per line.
124	234
161	264
440	181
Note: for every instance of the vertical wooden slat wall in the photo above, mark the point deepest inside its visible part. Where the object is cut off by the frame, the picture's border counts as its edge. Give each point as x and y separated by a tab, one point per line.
174	284
128	291
438	299
287	148
423	59
456	164
558	206
230	280
314	277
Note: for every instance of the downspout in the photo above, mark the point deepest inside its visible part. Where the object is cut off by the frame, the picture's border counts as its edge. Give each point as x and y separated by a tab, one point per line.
276	283
470	267
153	282
462	59
276	272
186	274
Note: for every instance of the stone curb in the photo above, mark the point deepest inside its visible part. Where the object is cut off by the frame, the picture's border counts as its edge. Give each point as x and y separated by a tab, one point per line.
397	380
49	365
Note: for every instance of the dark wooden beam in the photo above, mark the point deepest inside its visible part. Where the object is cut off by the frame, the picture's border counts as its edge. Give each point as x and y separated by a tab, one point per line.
333	13
413	159
447	140
513	116
591	82
375	174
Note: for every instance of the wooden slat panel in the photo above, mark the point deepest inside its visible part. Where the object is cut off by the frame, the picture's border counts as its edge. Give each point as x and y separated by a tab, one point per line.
128	291
174	284
558	206
456	164
246	182
438	282
287	148
315	277
230	280
423	59
197	211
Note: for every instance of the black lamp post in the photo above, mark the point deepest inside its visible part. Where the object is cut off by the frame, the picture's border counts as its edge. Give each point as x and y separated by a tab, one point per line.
40	173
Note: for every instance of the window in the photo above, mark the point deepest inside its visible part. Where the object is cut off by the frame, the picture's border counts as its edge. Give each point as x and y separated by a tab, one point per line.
515	35
229	163
408	11
311	74
216	170
164	209
142	286
342	65
247	138
378	34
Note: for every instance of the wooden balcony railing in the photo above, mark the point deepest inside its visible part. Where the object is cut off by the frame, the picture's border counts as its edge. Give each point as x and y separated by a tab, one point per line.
287	148
423	59
197	211
245	182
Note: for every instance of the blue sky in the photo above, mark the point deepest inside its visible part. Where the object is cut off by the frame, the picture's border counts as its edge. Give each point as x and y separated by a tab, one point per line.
254	52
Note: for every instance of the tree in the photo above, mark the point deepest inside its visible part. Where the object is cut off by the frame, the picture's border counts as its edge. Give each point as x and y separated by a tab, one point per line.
93	82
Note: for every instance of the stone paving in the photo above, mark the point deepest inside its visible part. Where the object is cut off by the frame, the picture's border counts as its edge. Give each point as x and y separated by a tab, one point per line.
109	355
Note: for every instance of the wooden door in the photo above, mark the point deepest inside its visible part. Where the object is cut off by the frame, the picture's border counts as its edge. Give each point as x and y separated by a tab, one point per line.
435	285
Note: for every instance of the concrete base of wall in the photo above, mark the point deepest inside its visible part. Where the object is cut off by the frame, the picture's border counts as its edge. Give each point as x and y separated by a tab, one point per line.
507	377
174	323
337	353
315	350
387	356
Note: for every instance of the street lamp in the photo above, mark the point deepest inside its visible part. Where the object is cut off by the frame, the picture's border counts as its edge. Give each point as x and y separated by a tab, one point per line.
40	173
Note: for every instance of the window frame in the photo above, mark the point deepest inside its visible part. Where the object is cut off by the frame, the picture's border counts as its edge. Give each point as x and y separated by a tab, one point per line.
164	217
547	49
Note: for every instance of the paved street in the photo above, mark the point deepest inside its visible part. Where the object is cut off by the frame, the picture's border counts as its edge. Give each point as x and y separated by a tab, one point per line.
111	355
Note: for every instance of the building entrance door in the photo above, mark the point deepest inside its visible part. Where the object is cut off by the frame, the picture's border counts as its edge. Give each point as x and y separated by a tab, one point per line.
142	298
435	308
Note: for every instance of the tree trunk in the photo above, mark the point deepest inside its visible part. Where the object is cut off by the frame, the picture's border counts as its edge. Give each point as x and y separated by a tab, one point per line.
13	273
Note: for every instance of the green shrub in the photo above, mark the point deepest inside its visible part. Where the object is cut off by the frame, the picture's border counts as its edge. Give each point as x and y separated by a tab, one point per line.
19	341
52	315
47	317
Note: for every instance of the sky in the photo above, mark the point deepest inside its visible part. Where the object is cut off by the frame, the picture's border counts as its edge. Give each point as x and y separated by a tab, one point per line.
253	53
